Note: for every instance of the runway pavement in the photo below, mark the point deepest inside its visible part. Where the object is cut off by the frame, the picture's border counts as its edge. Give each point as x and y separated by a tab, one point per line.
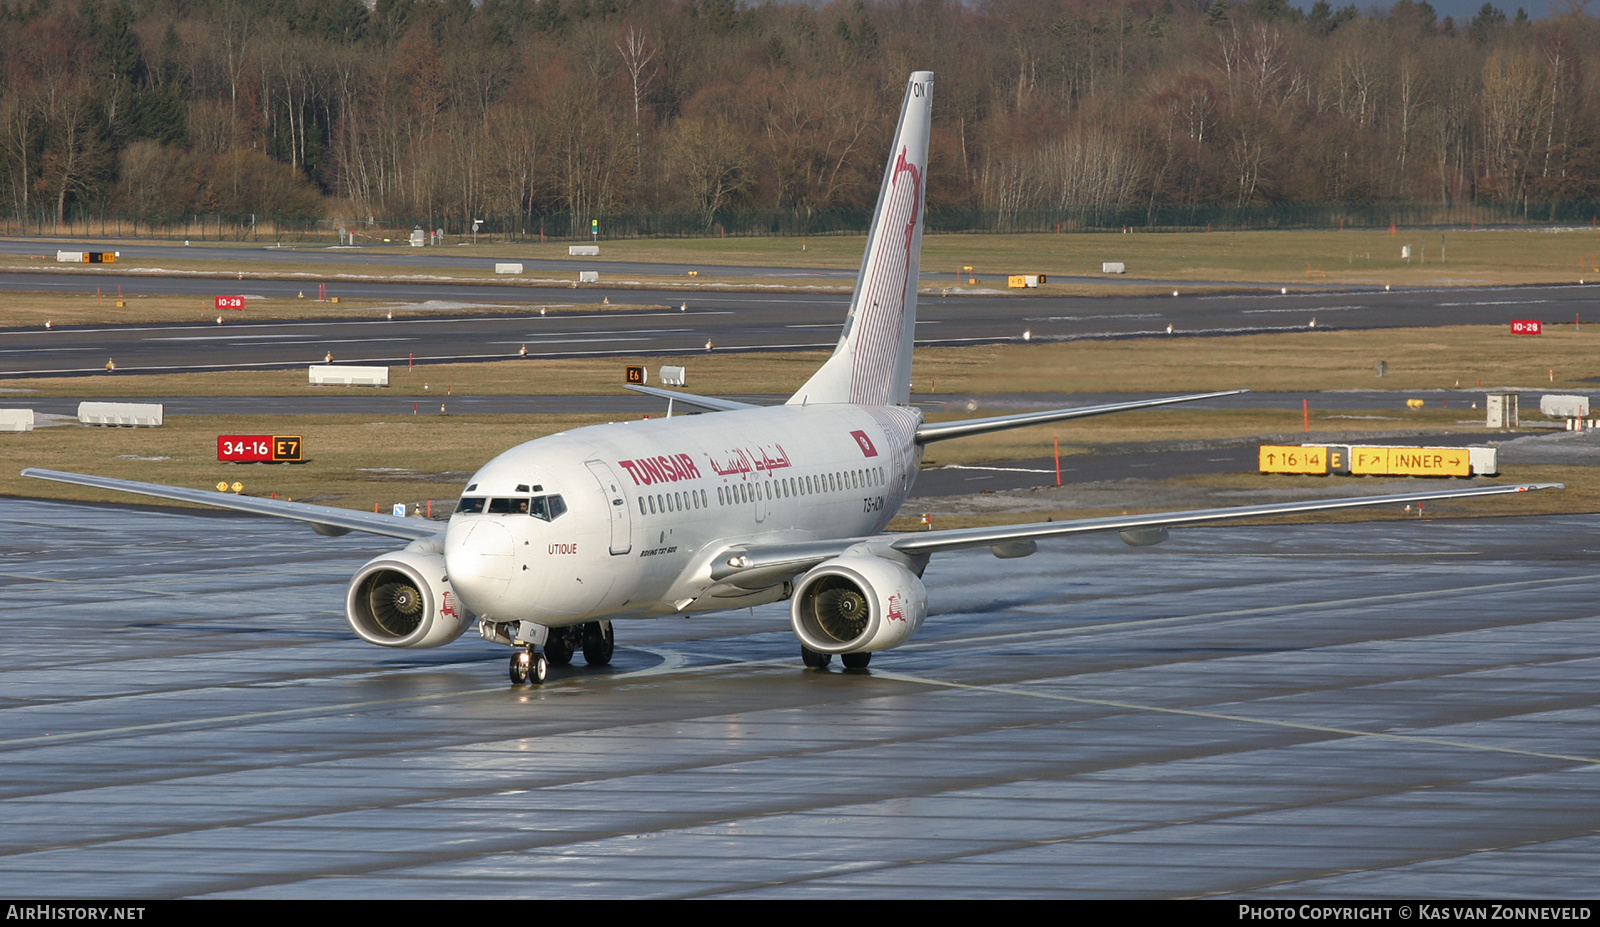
1394	710
447	257
741	321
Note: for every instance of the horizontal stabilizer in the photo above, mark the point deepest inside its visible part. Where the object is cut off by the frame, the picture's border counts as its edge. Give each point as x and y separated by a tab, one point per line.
324	518
941	431
699	402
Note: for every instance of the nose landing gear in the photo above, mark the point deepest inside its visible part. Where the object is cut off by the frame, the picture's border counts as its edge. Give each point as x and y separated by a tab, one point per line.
528	665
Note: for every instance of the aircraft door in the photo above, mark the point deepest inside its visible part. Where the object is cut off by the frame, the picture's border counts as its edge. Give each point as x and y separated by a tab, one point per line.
621	520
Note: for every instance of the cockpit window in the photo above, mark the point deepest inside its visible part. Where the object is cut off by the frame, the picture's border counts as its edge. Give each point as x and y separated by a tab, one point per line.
545	508
548	508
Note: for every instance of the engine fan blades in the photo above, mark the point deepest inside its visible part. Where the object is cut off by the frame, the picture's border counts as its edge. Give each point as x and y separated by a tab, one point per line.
397	608
842	613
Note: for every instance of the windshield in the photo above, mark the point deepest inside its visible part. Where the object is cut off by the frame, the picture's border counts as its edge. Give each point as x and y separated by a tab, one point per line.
545	508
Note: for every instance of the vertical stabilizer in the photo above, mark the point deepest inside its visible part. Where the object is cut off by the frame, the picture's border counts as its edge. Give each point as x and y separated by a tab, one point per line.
872	363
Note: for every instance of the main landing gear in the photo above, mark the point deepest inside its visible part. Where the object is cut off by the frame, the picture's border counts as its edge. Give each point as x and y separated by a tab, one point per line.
816	660
596	639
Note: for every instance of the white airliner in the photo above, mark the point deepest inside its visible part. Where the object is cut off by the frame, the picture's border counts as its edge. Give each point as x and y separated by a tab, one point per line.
555	539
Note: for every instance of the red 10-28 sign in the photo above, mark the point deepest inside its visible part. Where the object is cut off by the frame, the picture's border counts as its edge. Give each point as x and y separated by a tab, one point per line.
230	302
260	448
1526	327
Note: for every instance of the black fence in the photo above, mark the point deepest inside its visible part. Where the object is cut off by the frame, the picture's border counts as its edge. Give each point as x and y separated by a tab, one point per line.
741	223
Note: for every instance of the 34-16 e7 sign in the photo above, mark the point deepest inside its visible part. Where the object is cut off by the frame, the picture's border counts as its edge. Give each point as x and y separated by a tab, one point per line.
260	448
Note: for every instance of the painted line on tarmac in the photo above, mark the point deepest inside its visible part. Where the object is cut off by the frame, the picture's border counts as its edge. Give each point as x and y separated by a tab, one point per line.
1413	739
1586	580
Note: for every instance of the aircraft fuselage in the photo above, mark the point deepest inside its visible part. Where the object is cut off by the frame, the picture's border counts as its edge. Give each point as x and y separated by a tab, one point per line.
647	505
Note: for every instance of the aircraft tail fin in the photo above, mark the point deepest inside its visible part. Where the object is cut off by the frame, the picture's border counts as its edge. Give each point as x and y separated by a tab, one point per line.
872	363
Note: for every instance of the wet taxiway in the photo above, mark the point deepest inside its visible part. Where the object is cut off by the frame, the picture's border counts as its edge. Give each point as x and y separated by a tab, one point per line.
1343	711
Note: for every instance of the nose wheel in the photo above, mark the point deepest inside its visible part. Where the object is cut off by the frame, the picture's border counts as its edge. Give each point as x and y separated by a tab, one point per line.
529	666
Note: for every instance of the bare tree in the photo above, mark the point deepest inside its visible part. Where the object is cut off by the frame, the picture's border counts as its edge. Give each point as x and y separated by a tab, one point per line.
709	160
637	55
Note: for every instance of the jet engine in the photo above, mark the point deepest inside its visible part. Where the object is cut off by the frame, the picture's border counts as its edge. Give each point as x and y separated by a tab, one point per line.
854	604
403	599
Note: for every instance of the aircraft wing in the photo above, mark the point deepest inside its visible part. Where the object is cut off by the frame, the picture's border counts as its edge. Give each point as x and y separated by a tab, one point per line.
940	431
324	519
760	564
702	402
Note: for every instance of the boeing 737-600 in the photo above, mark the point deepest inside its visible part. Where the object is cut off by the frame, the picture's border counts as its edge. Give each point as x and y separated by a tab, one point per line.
556	539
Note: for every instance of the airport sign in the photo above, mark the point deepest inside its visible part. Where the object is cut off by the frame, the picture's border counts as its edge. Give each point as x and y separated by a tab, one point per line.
1410	461
260	448
1289	459
230	302
1527	327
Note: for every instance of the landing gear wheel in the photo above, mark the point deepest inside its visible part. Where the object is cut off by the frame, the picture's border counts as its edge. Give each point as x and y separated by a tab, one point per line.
813	659
856	660
521	662
528	666
599	642
559	647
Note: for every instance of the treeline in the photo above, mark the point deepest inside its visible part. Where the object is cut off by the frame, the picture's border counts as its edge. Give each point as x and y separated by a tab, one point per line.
539	112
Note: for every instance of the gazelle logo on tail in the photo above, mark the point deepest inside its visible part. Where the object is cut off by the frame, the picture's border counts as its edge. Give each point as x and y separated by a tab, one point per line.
890	293
872	363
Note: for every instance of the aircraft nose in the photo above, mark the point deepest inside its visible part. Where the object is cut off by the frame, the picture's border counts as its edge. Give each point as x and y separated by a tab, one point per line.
479	560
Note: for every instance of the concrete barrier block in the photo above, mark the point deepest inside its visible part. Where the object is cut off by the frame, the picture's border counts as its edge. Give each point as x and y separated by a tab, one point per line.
1558	406
133	414
588	276
583	250
1113	267
345	375
16	419
508	268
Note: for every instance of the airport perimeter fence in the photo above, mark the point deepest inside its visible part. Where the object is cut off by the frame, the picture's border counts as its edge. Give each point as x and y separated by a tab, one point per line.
565	227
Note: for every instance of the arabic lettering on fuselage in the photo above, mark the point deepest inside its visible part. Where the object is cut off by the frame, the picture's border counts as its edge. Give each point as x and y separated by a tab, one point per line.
741	461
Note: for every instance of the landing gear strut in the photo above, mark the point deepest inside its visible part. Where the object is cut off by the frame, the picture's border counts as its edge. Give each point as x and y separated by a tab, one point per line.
528	665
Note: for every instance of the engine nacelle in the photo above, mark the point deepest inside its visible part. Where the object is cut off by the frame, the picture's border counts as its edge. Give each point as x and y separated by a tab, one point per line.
857	603
404	600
